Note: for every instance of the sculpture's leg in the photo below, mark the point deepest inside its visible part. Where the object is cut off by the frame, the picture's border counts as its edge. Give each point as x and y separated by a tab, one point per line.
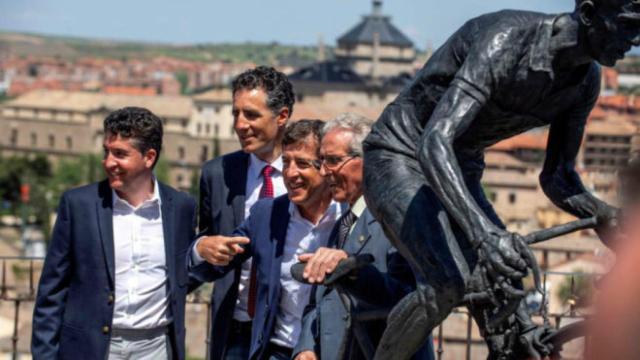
410	323
419	227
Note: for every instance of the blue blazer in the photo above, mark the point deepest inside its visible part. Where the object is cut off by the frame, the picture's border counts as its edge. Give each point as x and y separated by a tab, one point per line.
74	305
267	229
327	328
222	195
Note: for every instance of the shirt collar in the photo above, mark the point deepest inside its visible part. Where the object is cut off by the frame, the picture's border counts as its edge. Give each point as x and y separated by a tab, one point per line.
358	207
155	197
540	57
330	213
256	165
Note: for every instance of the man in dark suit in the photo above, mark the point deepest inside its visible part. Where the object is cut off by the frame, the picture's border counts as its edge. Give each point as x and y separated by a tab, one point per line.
114	280
262	103
328	331
279	230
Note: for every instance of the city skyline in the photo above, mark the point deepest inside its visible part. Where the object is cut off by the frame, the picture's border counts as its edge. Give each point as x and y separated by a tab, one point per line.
282	21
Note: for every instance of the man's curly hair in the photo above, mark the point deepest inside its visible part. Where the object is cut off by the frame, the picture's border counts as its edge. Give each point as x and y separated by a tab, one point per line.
138	124
278	88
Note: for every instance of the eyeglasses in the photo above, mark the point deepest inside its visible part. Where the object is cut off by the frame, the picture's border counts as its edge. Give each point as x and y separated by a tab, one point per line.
301	163
335	163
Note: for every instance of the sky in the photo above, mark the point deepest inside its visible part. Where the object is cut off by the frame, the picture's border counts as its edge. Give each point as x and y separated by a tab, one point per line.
299	22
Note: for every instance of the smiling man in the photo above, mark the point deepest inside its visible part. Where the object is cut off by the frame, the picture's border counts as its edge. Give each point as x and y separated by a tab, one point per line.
274	234
229	186
328	332
114	283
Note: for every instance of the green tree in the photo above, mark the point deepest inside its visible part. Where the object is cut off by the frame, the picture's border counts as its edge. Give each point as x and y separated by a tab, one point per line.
183	79
162	170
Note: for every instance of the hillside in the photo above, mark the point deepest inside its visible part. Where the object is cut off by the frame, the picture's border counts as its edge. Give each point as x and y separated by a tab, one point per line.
22	44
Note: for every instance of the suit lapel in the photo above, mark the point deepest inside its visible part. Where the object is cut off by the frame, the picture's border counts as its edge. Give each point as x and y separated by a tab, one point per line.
168	216
278	228
237	184
104	209
360	234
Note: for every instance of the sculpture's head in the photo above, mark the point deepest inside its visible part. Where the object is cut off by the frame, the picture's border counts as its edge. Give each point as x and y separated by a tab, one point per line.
612	27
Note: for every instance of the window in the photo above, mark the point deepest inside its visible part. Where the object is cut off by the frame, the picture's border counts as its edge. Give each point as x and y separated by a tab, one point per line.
199	128
184	123
13	139
512	198
207	129
205	153
216	129
181	152
69	141
216	109
52	140
34	139
179	179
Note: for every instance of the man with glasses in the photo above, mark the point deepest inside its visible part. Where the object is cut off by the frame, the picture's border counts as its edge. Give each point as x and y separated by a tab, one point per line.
328	333
276	232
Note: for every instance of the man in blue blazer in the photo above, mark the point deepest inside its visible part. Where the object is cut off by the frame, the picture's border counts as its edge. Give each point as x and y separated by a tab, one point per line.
274	234
229	185
328	332
114	280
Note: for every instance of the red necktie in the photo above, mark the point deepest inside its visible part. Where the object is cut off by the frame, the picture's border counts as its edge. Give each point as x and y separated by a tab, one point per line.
265	192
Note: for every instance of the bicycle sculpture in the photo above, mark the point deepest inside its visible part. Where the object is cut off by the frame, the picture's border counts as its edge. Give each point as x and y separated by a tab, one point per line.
499	75
517	341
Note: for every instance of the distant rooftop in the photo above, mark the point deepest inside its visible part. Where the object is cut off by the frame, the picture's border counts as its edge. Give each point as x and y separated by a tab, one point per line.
163	106
363	33
327	71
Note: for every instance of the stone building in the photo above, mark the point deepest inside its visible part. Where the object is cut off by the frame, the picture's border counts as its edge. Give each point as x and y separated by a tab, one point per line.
375	48
69	124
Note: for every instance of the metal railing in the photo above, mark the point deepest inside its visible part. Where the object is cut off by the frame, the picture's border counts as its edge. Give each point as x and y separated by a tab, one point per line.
19	277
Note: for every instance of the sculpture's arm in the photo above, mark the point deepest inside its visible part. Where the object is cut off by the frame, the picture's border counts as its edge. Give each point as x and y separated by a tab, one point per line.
456	110
559	179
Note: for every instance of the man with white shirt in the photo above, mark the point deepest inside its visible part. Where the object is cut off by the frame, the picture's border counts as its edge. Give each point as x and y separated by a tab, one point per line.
114	280
229	186
276	232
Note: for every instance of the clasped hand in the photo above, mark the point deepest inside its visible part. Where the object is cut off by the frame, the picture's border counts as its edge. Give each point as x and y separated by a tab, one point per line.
505	258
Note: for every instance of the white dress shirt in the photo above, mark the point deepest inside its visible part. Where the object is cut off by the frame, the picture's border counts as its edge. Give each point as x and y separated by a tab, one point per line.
142	294
303	236
254	185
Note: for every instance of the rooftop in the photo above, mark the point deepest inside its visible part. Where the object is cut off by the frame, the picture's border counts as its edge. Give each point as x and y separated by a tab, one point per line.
375	23
163	106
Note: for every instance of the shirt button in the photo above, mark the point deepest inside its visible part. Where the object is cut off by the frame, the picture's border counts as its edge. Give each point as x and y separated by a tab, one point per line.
105	329
111	299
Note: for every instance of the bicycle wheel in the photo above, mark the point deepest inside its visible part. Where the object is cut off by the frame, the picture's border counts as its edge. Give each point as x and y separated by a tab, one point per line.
569	341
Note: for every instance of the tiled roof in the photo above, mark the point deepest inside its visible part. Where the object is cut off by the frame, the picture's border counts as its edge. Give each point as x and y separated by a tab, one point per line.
163	106
364	31
327	71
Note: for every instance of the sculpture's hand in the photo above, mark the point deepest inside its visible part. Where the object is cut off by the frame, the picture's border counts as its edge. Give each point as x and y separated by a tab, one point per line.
505	258
531	342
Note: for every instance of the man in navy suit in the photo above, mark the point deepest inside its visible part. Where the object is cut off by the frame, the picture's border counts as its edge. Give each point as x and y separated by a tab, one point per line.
114	280
229	185
328	332
274	234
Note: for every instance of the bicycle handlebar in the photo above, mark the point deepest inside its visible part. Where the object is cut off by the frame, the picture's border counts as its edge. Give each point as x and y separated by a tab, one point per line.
559	230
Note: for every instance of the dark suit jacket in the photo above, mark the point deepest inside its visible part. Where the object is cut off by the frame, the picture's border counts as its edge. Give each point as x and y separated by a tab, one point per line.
327	328
222	195
267	229
74	306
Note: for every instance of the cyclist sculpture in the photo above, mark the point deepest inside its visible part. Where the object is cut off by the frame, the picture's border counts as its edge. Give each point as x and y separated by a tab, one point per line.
499	75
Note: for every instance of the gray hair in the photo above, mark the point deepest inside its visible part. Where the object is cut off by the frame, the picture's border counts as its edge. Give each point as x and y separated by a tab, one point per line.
358	125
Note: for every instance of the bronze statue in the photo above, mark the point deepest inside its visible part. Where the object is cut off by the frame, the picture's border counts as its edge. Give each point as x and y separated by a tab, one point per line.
499	75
